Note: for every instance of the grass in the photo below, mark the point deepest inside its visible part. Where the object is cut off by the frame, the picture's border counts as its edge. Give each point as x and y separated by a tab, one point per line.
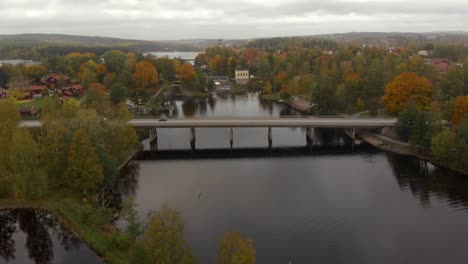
271	97
68	211
32	102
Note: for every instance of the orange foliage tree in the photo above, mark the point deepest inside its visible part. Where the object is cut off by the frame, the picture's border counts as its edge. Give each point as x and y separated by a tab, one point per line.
461	109
145	75
187	75
407	87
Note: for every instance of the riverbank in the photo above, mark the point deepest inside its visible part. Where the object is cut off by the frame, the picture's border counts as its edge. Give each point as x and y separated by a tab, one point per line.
401	148
100	239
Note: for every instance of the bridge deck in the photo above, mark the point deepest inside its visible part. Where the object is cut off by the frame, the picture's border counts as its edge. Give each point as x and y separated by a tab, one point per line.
338	122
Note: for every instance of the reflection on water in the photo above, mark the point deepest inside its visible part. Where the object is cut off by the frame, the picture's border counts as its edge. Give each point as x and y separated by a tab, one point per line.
35	236
438	182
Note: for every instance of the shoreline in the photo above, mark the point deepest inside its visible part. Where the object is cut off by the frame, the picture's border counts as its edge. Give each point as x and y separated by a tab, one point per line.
92	238
401	148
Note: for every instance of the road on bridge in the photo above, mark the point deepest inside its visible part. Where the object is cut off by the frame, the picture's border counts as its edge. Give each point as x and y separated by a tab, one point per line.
338	122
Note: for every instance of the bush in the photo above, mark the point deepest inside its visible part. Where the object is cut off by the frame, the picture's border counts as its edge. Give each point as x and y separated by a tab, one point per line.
120	241
96	217
140	254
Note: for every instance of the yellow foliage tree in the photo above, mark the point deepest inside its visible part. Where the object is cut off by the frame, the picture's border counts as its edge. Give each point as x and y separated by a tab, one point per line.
234	249
164	238
407	87
84	171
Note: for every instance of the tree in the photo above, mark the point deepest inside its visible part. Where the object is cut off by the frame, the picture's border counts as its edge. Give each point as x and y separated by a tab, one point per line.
188	75
30	179
234	249
166	69
97	98
164	238
407	87
35	72
145	75
4	78
53	148
462	130
414	125
118	93
119	140
84	170
70	108
267	89
461	109
154	104
452	84
443	147
115	61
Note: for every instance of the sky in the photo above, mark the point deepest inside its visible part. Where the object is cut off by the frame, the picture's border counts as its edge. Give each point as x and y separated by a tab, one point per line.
227	19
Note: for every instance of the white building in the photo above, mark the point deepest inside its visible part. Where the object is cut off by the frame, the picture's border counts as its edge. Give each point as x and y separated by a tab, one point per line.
423	53
242	76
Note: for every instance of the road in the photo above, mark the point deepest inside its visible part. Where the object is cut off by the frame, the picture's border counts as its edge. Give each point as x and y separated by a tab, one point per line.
338	122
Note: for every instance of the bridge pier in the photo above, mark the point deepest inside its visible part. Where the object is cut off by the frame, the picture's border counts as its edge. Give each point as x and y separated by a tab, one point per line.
153	139
351	132
231	141
270	139
192	138
310	138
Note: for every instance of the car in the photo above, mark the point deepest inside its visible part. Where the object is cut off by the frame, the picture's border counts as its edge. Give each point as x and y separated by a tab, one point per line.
162	119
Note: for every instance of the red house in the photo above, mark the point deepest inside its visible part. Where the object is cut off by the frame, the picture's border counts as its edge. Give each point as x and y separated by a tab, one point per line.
53	79
28	111
35	89
441	65
73	90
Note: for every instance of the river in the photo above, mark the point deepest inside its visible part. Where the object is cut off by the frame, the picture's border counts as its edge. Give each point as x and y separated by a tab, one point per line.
329	207
333	206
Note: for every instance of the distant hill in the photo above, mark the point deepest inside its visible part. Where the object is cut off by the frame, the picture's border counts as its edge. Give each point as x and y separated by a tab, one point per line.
399	38
41	40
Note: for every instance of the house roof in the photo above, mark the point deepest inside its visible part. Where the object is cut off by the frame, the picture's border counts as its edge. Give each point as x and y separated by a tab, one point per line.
440	60
76	86
57	77
35	88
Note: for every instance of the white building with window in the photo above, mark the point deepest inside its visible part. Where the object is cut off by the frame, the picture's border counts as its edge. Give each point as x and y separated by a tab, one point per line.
242	76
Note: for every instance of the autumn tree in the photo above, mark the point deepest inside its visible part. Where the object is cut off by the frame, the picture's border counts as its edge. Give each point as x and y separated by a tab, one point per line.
164	238
461	109
188	75
88	73
234	249
407	87
97	98
9	119
29	178
84	171
145	75
35	72
53	148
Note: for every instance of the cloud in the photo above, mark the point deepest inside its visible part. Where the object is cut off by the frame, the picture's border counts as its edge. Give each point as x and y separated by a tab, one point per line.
182	19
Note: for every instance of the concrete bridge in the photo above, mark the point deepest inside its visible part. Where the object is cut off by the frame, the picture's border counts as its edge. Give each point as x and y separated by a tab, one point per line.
347	123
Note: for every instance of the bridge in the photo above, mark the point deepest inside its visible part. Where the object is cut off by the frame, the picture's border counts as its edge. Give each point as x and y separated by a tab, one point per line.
347	123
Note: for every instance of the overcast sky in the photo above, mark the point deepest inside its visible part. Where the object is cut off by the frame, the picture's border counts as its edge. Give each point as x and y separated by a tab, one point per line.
188	19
